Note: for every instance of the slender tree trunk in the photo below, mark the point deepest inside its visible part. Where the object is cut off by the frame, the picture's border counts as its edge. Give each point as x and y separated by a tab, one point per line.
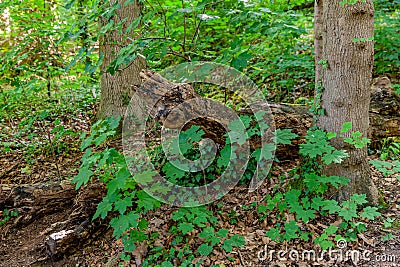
346	81
117	89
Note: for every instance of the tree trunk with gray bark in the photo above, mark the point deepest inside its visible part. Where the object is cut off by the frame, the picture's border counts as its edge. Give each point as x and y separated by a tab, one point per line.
118	88
346	81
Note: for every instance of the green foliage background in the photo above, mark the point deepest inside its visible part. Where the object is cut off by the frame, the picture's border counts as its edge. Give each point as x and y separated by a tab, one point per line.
49	76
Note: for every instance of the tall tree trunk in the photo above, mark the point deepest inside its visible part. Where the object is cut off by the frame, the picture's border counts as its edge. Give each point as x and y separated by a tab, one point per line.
346	81
117	89
318	26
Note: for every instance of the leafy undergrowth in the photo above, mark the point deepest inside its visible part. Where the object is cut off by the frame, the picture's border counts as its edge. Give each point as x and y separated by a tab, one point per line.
240	229
39	137
236	213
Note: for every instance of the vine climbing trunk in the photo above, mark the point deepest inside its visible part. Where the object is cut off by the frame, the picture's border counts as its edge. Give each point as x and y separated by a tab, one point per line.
346	76
118	88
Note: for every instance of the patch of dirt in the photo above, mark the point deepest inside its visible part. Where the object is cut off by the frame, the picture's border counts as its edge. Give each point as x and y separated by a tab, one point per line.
19	245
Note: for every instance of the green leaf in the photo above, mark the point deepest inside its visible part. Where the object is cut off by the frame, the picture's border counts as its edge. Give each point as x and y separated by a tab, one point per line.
172	171
347	126
356	140
336	156
387	237
194	134
331	230
348	214
370	213
215	240
266	152
284	136
315	183
292	196
122	204
166	264
146	201
119	182
384	167
129	240
225	153
246	120
350	204
240	62
236	125
359	199
222	233
207	233
114	122
388	222
179	214
359	226
103	208
330	135
262	209
263	126
274	233
122	223
238	240
305	236
317	202
315	148
237	137
331	206
100	139
227	245
200	221
325	244
145	177
83	177
234	241
291	229
305	215
204	249
185	227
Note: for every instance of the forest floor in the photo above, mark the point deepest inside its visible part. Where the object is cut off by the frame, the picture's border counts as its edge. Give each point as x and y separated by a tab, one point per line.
19	245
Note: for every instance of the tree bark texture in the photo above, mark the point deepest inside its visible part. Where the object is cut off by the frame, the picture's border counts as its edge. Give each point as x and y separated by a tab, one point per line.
318	24
346	81
117	89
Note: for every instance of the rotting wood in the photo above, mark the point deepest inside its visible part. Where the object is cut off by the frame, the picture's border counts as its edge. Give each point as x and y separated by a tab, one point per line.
36	201
384	113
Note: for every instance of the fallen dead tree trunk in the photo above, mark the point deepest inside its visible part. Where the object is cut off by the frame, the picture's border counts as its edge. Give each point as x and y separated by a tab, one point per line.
384	112
62	237
36	200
